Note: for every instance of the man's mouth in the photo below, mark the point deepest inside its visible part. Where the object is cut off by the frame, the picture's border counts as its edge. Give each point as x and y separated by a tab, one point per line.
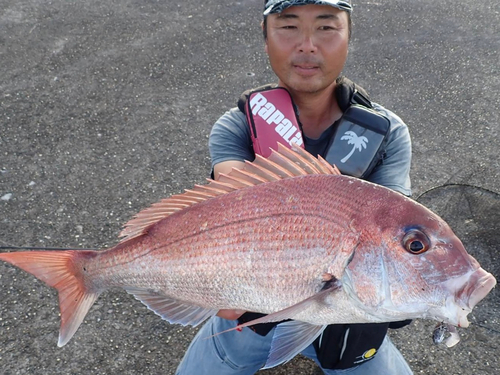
306	68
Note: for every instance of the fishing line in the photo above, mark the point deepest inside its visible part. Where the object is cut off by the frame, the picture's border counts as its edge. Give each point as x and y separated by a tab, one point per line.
7	246
485	327
10	247
38	248
451	185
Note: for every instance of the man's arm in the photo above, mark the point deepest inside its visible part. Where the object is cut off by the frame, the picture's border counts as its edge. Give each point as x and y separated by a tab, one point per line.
230	314
394	170
226	166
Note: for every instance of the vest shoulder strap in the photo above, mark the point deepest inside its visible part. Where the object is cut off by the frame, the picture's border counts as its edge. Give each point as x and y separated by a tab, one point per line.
273	119
346	91
242	101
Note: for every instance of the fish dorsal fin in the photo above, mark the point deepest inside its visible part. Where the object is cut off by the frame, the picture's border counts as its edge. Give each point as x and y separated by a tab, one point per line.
281	164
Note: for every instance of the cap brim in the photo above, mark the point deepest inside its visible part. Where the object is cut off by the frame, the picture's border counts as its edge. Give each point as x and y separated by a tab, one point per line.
281	6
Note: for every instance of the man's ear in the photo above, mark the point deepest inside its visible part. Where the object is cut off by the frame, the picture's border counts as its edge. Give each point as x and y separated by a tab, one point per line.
262	25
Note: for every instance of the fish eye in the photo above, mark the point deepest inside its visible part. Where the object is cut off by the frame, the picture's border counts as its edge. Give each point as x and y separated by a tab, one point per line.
416	242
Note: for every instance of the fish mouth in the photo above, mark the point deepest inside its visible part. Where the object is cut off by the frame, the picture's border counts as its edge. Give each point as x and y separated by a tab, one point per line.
476	288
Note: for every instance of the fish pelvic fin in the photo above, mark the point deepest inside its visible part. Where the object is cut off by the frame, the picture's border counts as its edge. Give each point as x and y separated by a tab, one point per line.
281	164
61	270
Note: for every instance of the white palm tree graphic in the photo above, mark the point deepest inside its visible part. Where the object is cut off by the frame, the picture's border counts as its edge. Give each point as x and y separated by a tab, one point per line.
357	142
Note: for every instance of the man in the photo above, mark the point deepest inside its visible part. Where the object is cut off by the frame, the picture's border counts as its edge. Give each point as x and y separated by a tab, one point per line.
307	44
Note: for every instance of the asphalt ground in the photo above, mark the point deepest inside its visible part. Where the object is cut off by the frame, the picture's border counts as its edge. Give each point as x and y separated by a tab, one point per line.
106	106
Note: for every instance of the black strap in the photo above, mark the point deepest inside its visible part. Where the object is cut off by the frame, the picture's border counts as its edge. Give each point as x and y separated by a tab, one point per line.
262	329
346	93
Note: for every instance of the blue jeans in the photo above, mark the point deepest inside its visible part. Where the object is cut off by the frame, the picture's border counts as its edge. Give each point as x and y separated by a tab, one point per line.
245	352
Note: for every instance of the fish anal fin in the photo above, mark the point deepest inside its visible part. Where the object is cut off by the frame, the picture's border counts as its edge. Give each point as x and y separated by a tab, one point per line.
170	309
59	269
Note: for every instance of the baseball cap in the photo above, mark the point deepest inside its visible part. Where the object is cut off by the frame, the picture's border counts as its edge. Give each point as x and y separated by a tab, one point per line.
277	6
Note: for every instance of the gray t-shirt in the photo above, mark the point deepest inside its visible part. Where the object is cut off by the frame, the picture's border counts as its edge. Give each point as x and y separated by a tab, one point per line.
230	140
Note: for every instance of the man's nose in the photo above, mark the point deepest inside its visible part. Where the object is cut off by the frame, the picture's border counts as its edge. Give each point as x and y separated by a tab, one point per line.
307	44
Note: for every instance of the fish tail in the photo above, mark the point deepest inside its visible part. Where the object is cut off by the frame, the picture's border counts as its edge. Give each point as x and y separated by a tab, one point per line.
63	270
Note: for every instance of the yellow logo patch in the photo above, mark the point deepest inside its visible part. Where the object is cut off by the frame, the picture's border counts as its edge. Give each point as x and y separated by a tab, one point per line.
369	353
366	356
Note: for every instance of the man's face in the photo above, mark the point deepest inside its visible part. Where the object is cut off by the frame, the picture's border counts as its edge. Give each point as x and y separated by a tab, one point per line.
307	46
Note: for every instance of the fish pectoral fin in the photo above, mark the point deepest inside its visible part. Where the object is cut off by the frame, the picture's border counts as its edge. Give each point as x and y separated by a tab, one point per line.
170	309
332	285
290	338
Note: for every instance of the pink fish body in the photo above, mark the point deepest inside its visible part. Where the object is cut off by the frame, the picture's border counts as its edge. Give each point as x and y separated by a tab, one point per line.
288	237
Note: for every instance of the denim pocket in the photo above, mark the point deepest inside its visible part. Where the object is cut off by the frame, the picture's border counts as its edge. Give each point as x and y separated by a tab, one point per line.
219	350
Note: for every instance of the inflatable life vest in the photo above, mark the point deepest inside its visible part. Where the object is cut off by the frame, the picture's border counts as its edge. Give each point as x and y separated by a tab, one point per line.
357	144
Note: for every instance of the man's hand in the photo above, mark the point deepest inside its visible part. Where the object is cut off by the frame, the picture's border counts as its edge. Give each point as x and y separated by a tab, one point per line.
230	314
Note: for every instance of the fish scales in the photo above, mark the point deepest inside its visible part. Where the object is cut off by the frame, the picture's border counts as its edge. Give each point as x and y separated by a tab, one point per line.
299	239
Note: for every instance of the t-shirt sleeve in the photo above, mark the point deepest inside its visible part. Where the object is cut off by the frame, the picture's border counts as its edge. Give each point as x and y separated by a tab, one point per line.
394	169
230	138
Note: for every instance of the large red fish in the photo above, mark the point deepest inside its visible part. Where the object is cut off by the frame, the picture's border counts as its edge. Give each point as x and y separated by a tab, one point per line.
287	236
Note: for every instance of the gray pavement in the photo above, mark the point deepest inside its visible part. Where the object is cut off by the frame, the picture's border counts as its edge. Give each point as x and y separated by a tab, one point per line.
106	106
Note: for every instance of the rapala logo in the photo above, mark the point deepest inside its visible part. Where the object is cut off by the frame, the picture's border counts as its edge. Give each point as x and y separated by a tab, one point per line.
283	126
